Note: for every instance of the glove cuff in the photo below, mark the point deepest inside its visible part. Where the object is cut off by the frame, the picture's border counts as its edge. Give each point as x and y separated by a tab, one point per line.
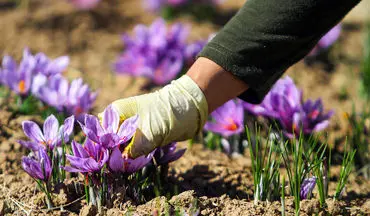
192	90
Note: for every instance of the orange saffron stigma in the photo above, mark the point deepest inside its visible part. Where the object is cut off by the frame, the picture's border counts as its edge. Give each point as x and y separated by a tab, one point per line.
232	126
22	86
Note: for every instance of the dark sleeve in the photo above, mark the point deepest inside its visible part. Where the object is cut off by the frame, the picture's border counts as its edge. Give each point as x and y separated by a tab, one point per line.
266	37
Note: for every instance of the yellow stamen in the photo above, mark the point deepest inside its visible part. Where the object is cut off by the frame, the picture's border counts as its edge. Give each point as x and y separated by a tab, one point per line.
345	115
127	152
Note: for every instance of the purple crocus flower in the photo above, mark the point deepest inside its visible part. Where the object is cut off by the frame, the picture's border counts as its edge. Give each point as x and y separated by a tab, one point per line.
54	92
327	40
80	98
155	52
84	4
75	98
48	67
109	134
18	78
120	163
227	119
284	94
168	154
52	135
307	187
284	103
32	73
311	118
39	166
89	158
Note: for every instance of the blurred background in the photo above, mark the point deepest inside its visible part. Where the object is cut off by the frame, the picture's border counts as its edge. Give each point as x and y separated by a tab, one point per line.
90	32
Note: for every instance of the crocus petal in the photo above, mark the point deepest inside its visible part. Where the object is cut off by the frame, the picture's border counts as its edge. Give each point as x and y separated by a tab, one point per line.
172	157
38	81
83	164
9	64
68	127
109	140
58	65
30	145
321	126
89	133
128	128
94	128
133	165
33	131
216	128
307	187
110	119
78	150
116	160
51	126
72	169
32	167
45	164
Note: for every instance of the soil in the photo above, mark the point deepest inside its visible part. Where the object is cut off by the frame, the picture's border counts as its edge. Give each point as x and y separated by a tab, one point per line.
209	181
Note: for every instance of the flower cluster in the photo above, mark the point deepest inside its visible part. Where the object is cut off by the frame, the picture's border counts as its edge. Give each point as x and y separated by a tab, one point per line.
102	154
47	147
327	40
284	104
106	142
84	4
42	77
52	135
157	52
156	5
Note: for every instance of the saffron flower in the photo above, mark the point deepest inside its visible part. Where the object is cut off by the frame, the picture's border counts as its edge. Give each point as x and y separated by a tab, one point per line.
73	98
167	154
38	166
307	187
54	92
313	119
327	40
283	95
18	78
109	134
24	77
84	4
121	163
156	52
89	158
227	119
284	104
51	136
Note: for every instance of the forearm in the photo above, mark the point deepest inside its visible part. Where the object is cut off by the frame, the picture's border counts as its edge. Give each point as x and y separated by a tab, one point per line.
218	85
267	36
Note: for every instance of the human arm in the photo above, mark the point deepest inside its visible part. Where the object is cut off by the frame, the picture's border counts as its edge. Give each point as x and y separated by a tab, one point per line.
253	49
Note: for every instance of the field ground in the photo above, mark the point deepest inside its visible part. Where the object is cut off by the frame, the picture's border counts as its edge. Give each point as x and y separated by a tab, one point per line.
92	40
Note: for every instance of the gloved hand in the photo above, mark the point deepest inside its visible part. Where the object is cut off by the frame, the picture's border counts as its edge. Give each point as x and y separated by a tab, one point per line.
176	112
